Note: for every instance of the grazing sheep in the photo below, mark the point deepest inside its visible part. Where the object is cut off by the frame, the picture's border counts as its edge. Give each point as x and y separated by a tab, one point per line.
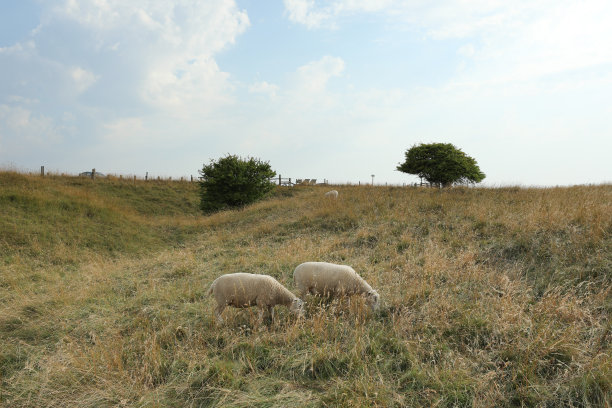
322	278
332	194
247	289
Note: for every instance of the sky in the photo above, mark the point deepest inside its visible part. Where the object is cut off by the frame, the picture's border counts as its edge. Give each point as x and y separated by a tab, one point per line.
335	90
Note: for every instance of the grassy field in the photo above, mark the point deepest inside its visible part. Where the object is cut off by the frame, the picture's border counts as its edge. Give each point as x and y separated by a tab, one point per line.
491	297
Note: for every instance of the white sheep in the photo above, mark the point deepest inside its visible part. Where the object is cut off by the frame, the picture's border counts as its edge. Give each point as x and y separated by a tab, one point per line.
322	278
247	289
332	194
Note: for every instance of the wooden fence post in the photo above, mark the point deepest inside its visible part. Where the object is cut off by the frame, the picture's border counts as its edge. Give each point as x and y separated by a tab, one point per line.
279	179
42	171
93	174
147	176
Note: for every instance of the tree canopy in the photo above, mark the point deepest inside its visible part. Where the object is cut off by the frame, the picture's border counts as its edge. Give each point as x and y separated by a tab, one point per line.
441	164
232	181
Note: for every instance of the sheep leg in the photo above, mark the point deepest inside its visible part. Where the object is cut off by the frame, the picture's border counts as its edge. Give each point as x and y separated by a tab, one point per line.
261	315
218	310
271	313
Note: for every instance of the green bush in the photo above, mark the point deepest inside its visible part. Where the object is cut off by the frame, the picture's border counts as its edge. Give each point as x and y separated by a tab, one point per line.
233	182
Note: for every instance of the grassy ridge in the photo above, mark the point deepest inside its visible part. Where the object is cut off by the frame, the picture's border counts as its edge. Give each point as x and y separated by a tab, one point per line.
60	218
492	297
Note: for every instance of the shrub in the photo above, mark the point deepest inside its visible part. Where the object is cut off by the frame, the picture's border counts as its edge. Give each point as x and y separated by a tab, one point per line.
233	182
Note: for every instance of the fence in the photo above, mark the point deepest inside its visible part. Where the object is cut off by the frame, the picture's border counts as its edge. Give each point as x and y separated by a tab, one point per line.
287	182
278	180
93	174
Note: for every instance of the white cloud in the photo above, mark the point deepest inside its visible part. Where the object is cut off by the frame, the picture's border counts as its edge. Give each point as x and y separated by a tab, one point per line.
295	116
185	88
303	12
309	88
169	46
440	20
508	41
99	75
83	79
313	77
19	48
23	128
265	88
98	14
466	50
20	100
313	15
195	27
448	19
126	131
363	5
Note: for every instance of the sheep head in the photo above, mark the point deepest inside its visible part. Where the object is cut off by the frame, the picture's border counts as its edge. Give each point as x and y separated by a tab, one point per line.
297	306
373	299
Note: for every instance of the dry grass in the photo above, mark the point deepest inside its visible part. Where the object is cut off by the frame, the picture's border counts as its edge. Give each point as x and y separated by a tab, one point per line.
492	297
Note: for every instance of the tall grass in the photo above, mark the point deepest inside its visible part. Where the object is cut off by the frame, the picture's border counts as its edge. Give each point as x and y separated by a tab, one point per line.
492	297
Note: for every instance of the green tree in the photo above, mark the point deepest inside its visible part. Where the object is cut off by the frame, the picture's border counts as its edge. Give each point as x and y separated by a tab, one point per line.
232	181
441	164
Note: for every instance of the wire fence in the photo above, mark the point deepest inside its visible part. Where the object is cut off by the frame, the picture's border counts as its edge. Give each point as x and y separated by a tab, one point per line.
277	180
94	174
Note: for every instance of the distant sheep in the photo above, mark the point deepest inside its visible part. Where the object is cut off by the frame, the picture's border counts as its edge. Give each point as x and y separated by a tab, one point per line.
246	289
322	278
332	194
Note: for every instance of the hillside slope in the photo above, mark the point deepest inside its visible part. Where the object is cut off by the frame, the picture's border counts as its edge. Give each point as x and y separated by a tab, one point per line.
63	218
492	297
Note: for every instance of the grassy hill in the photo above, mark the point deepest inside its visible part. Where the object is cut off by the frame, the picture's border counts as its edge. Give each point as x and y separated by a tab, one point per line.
492	297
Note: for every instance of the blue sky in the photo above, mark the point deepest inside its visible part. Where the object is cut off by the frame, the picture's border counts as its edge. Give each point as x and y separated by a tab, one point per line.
335	89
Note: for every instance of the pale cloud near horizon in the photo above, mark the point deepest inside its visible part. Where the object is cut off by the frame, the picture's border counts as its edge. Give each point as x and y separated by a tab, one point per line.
35	130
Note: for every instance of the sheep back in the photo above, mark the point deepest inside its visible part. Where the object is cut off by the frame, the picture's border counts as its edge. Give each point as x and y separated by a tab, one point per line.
326	278
247	289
